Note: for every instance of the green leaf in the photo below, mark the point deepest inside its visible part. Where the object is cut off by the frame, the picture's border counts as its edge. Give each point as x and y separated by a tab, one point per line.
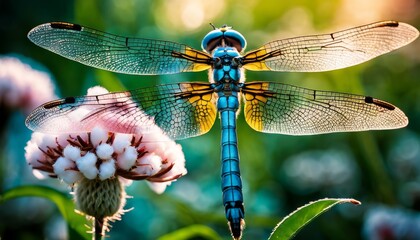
190	232
291	224
109	81
66	206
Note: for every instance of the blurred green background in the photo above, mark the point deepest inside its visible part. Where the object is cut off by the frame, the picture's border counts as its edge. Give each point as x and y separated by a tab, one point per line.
280	173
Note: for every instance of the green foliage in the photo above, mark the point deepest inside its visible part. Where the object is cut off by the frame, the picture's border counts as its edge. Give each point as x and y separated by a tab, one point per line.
75	221
192	232
294	222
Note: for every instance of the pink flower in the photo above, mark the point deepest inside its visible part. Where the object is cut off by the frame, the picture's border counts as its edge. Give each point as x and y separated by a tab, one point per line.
382	222
100	154
98	163
23	87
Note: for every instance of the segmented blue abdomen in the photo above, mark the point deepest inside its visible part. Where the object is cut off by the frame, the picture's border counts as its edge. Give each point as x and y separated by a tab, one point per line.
231	180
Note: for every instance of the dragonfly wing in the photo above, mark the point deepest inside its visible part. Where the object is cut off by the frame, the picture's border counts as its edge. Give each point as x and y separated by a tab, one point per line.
116	53
181	110
331	51
279	108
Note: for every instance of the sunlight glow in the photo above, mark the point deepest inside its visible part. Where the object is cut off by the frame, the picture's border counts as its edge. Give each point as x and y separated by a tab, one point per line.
193	15
182	15
355	11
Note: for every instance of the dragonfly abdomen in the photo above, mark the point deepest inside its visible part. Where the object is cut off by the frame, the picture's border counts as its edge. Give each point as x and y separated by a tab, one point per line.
231	179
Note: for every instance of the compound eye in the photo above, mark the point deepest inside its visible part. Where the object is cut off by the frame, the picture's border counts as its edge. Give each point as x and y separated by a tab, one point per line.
235	39
213	43
233	42
211	40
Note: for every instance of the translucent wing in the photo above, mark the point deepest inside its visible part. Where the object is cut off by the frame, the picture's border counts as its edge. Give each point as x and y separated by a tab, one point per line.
115	53
331	51
280	108
181	110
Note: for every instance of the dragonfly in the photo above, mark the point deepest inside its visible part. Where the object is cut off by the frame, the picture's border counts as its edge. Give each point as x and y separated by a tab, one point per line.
189	109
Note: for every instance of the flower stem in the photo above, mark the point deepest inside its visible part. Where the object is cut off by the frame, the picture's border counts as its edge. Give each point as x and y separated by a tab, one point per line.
98	225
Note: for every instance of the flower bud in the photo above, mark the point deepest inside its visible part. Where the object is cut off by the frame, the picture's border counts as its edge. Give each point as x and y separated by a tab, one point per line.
100	198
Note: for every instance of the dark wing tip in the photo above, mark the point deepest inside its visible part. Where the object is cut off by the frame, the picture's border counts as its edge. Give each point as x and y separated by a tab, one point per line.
59	102
391	24
379	103
52	104
64	25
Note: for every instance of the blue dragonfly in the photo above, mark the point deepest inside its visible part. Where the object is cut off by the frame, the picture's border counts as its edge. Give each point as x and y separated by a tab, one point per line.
188	109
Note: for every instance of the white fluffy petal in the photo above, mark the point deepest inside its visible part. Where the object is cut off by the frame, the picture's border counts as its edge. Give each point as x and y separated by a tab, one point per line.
71	152
158	187
150	164
70	176
46	140
87	165
98	135
121	141
128	158
33	155
62	164
107	169
104	151
96	90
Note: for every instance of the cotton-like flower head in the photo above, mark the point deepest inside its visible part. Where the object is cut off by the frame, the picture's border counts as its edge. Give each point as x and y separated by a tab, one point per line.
99	154
21	86
102	155
97	161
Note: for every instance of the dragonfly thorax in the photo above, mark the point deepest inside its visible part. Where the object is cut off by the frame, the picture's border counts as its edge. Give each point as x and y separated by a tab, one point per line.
226	66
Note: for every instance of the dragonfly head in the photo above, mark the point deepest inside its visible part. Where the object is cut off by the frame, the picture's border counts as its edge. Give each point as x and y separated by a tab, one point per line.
224	36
